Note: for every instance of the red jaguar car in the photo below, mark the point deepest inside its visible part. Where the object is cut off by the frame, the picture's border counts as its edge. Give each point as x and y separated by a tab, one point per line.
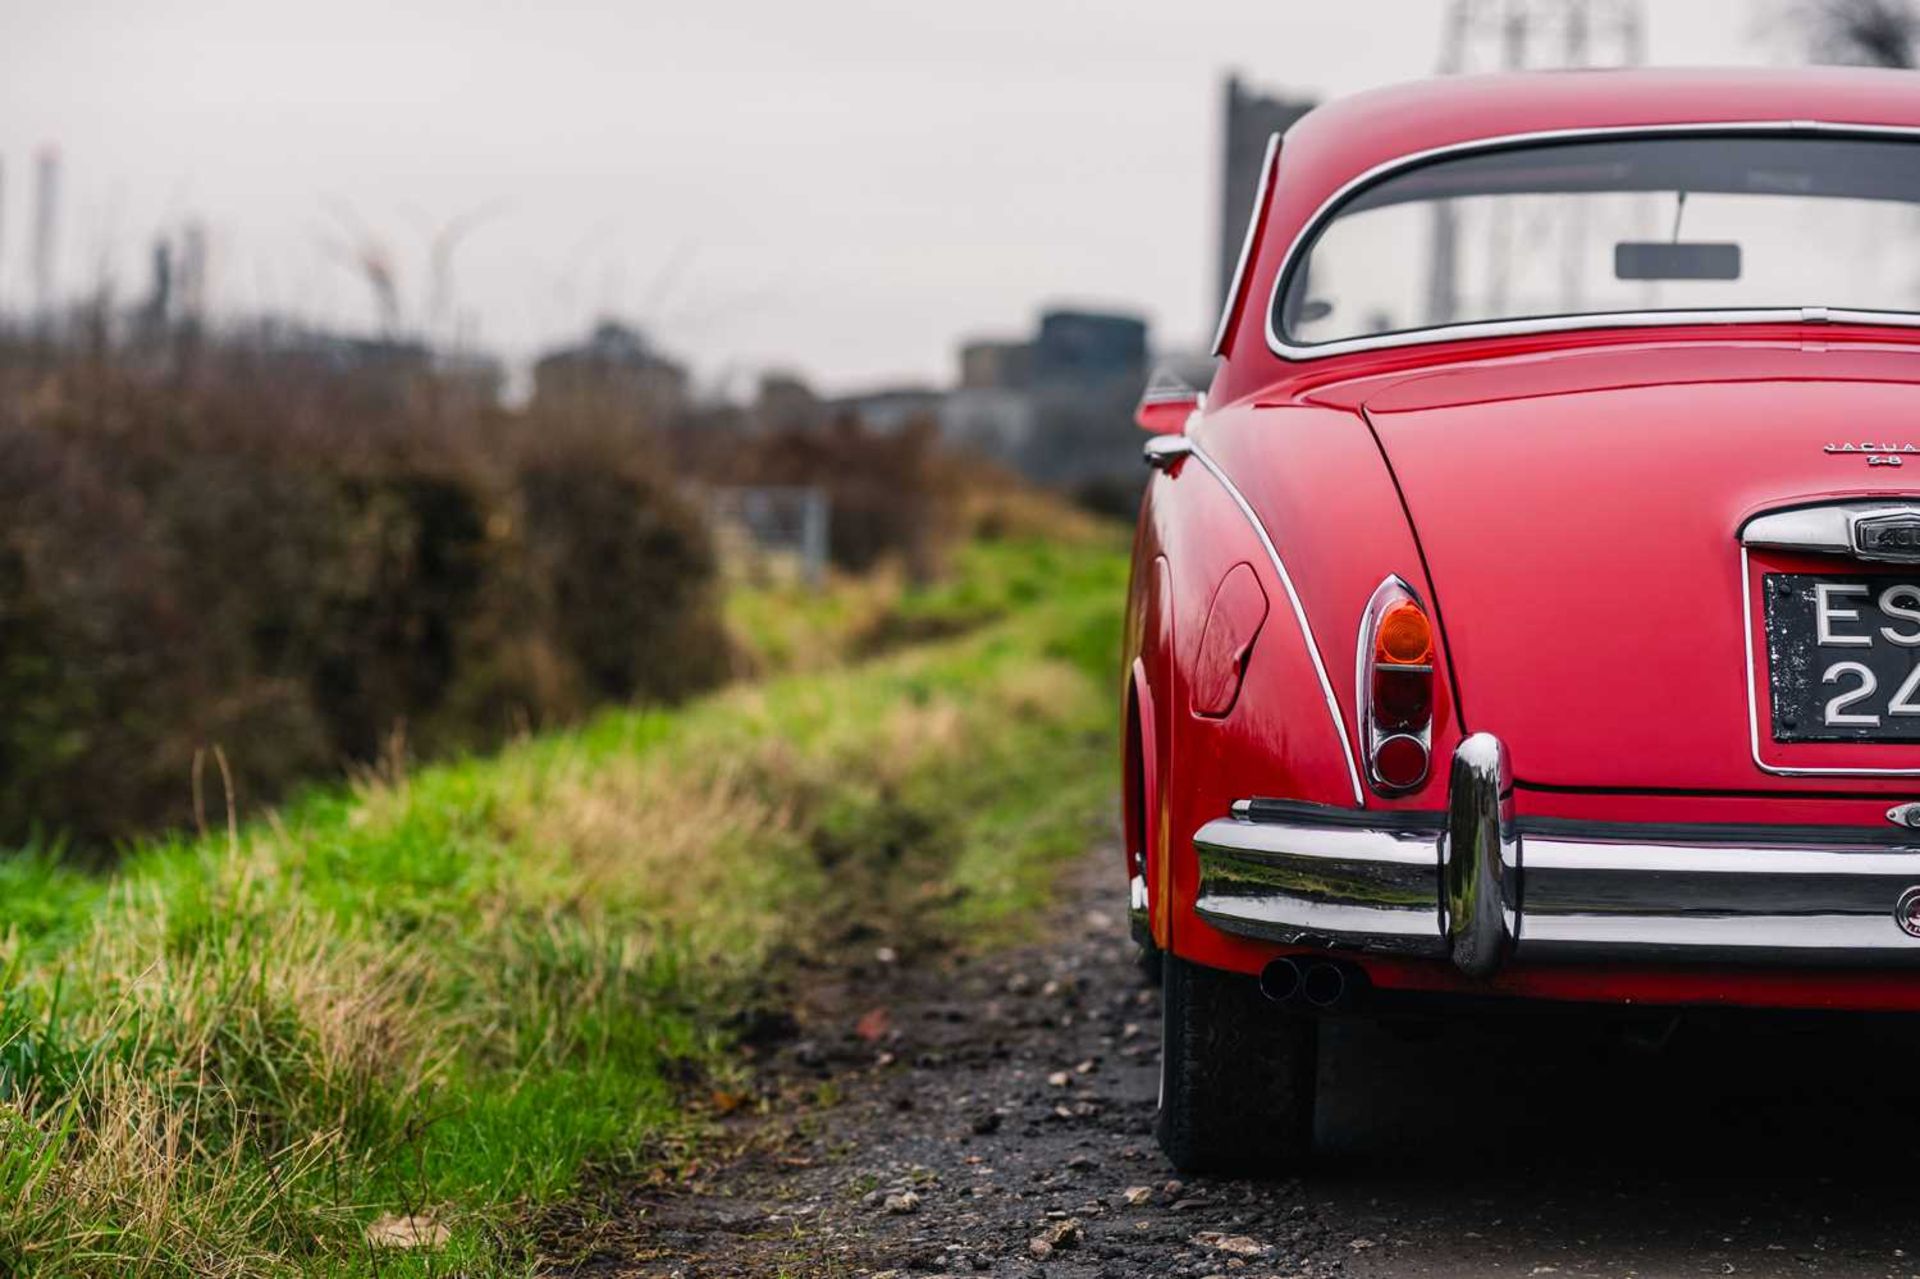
1530	608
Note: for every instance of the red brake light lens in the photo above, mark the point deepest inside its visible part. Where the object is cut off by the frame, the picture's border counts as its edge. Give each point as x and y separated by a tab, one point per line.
1402	697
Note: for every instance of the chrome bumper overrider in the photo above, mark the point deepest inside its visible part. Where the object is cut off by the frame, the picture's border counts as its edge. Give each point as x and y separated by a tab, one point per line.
1478	887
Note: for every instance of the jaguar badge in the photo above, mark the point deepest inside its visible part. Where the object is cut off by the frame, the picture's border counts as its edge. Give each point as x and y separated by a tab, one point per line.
1876	454
1906	912
1907	815
1893	537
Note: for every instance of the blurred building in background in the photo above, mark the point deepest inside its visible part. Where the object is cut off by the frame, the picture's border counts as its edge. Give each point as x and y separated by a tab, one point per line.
1085	348
992	410
785	402
890	409
1056	407
615	370
1248	118
992	364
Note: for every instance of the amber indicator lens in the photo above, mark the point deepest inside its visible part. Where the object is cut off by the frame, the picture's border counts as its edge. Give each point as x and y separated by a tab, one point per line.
1402	696
1400	761
1403	636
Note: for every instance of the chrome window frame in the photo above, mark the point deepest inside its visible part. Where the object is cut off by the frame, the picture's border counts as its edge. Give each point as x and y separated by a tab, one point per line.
1239	281
1330	207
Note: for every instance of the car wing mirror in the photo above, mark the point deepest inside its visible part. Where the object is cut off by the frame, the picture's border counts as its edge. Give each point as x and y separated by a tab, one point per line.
1167	403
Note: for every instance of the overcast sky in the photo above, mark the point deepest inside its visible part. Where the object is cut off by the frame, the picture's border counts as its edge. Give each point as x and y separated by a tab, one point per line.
842	187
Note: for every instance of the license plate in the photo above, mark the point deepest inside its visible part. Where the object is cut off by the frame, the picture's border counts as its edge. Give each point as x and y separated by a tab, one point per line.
1843	657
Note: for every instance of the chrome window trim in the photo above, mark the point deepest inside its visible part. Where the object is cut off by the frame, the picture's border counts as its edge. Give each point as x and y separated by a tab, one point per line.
1570	323
1299	616
1753	700
1239	280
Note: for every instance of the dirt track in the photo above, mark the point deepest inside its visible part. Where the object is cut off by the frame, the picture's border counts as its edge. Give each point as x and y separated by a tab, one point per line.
1007	1100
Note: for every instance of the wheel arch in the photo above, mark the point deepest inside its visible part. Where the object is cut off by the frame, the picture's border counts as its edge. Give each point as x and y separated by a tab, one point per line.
1144	823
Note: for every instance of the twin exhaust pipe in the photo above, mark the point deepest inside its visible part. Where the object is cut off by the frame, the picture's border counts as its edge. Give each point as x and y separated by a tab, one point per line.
1324	985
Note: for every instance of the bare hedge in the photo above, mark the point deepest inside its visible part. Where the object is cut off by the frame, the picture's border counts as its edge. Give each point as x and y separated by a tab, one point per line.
302	568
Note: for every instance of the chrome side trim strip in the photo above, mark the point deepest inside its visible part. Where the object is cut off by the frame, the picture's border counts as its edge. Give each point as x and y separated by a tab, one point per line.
1299	616
1753	701
1746	640
1573	323
1246	246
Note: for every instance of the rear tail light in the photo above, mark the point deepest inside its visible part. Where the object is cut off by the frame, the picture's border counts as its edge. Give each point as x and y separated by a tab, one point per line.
1395	682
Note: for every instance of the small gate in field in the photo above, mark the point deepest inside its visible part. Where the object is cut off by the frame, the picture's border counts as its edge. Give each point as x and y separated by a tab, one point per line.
771	532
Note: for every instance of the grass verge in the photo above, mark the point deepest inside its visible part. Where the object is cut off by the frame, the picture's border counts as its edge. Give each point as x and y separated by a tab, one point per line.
444	995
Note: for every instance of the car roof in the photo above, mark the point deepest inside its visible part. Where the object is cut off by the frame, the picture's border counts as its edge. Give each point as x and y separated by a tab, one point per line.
1382	124
1332	145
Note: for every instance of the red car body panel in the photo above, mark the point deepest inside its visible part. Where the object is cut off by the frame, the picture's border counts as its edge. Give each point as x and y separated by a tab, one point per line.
1617	585
1567	506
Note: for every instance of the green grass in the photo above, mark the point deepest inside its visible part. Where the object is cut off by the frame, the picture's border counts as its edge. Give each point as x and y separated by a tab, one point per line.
452	993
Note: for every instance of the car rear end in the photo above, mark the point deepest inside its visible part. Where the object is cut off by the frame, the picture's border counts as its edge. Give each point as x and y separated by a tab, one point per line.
1639	721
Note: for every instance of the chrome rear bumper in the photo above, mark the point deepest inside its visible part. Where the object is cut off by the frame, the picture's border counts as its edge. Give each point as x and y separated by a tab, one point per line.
1478	887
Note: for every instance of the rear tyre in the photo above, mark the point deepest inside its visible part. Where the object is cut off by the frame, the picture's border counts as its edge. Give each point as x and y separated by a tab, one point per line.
1236	1074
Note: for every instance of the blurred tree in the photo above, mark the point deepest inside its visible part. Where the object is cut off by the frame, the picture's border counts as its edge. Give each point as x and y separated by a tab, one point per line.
1872	33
